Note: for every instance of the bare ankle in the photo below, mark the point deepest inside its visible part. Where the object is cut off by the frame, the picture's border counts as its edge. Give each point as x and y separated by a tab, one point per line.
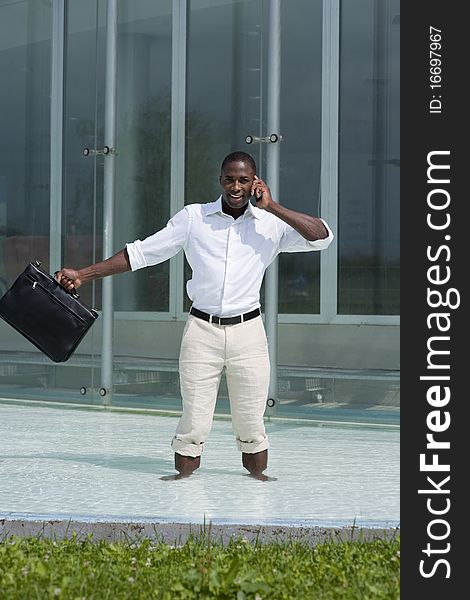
185	465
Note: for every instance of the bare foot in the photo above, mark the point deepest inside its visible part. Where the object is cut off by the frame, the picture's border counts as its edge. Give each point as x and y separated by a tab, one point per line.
185	465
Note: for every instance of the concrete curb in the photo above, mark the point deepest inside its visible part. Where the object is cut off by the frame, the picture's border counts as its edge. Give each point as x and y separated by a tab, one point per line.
178	533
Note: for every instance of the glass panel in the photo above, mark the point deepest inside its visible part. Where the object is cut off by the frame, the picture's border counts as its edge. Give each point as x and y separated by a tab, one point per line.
82	197
227	79
141	185
83	128
341	395
25	46
224	89
299	178
25	73
369	175
143	141
224	92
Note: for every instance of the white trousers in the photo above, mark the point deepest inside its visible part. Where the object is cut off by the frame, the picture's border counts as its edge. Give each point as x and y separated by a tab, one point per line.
205	350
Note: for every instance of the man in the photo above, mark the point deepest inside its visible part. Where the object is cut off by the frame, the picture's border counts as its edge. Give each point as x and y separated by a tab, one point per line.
228	243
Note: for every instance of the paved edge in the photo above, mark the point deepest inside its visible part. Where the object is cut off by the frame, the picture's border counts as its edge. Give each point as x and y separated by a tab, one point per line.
178	533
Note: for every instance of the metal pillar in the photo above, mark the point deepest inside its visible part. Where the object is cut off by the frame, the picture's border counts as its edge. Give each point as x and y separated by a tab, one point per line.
329	155
178	140
272	179
108	200
57	112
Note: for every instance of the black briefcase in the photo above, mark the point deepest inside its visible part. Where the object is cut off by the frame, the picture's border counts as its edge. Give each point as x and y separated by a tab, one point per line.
45	313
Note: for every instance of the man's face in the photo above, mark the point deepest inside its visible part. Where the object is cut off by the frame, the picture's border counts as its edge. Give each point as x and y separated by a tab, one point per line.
236	181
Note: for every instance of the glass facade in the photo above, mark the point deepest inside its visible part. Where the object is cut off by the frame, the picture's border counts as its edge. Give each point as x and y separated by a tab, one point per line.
369	159
192	81
25	67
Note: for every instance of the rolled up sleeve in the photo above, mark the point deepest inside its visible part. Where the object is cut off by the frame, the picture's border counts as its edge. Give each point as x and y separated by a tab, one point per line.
162	245
292	241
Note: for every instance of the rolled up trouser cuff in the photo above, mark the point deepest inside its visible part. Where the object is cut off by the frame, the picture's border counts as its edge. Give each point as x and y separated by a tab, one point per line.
185	448
253	447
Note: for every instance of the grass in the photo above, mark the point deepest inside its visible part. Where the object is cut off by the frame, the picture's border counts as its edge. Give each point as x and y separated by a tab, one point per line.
41	568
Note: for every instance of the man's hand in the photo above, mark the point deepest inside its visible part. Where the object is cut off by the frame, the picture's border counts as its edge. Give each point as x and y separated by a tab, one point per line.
68	279
261	193
311	228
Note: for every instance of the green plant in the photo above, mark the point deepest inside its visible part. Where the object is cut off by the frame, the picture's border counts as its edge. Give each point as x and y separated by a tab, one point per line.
198	569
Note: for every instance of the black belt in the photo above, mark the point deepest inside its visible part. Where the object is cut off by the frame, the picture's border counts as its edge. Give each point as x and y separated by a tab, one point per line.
225	320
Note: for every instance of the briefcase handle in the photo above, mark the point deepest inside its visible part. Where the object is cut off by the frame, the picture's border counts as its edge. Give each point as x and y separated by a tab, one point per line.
73	293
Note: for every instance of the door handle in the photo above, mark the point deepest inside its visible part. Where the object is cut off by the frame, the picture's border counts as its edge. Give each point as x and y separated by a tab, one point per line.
103	151
267	139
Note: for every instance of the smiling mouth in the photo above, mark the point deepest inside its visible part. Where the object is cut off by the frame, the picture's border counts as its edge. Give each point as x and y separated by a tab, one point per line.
239	197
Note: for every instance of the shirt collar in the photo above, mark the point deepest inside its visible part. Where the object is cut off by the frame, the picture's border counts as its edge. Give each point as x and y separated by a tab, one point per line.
216	207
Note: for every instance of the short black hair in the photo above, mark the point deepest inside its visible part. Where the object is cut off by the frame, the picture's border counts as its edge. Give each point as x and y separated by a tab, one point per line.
238	156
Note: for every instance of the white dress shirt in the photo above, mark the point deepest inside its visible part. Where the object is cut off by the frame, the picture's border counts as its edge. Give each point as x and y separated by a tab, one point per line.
228	256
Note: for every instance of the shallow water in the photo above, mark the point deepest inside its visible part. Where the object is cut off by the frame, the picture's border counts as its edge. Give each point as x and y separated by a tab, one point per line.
62	462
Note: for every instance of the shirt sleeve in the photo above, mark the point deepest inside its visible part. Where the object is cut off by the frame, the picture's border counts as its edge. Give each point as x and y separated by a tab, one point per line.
292	241
162	245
